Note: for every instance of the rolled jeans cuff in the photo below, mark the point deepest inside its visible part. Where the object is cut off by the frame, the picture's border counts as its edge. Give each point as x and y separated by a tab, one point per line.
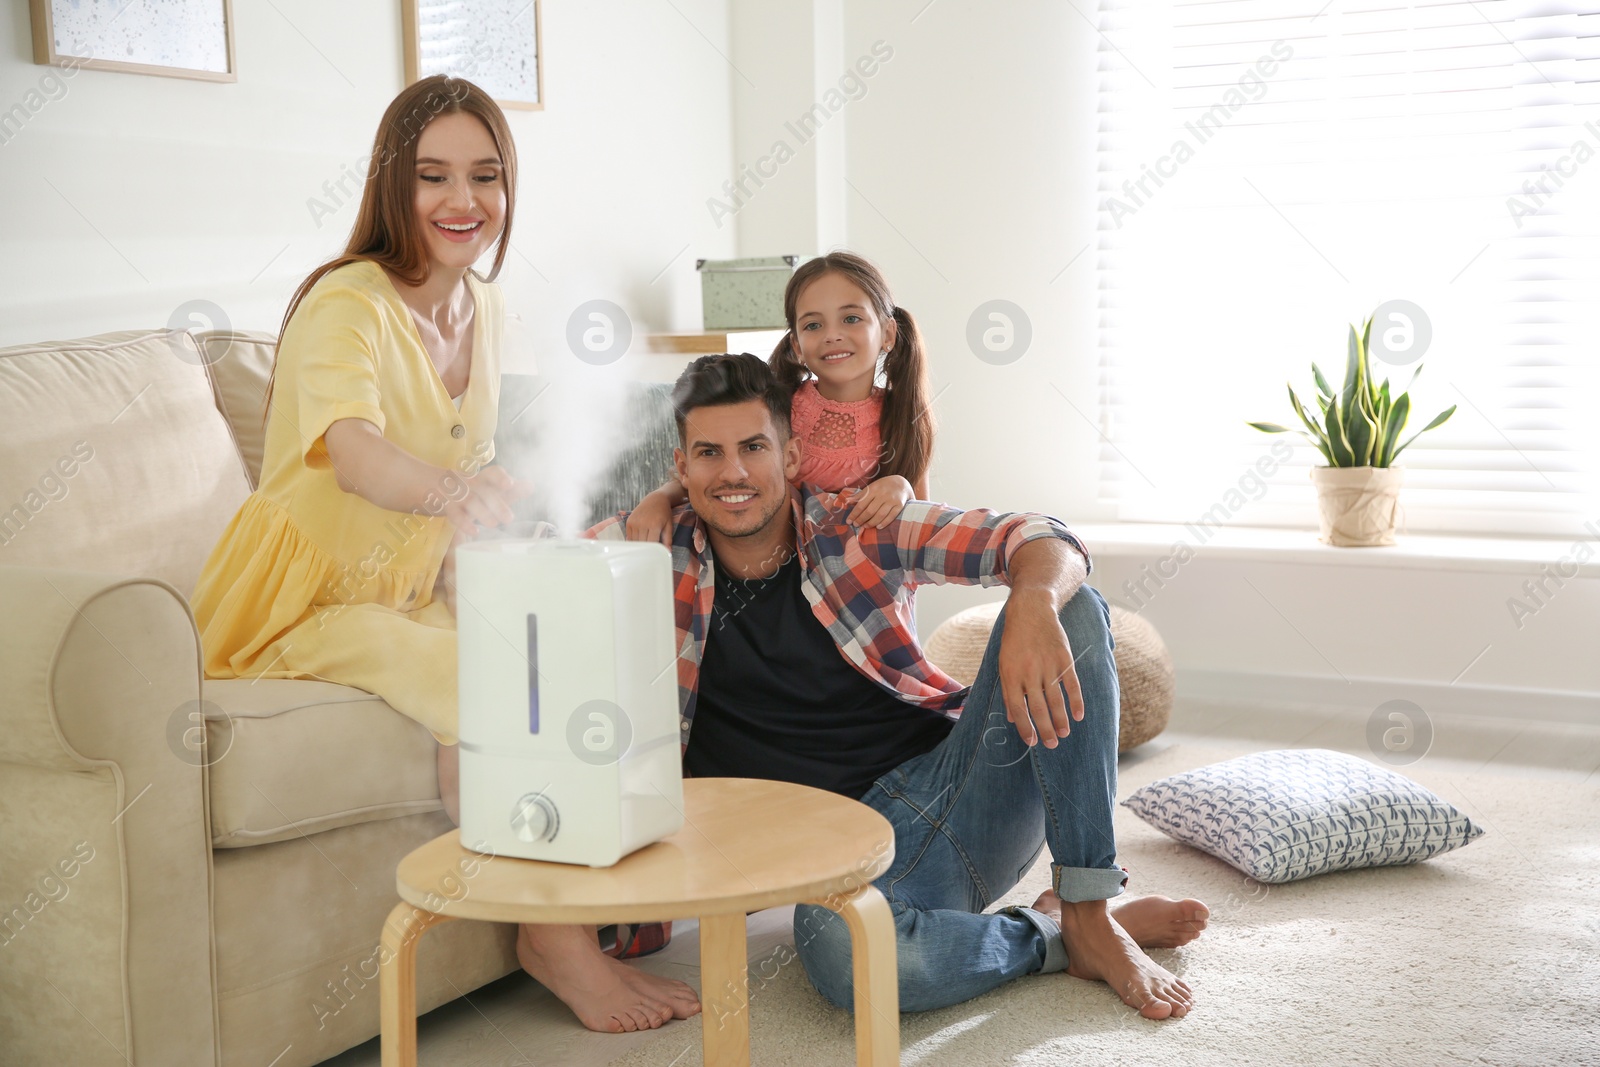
1055	950
1077	884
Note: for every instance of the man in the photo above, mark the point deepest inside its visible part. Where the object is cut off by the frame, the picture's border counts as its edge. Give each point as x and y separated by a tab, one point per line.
799	662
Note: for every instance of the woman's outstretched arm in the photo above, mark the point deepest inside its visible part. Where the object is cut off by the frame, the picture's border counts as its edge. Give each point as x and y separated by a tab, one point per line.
376	469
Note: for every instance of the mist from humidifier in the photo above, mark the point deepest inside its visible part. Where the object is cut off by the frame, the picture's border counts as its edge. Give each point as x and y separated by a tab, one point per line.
571	435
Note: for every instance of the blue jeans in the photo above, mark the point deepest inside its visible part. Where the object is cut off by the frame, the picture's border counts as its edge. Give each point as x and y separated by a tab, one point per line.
970	818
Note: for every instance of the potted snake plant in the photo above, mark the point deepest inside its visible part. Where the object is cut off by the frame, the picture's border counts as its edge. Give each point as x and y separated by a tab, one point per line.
1357	429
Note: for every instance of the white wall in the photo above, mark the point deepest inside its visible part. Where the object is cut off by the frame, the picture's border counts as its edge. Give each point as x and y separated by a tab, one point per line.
1355	636
774	205
965	168
967	176
131	194
969	166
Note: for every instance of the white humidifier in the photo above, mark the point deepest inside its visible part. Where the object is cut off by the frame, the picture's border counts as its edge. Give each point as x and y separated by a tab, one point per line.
569	698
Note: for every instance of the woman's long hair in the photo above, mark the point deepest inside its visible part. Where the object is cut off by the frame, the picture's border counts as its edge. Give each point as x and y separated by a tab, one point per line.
386	230
907	419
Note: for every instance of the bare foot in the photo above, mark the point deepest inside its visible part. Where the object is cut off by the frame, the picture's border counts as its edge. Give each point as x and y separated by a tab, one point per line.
1152	922
605	994
1100	950
677	995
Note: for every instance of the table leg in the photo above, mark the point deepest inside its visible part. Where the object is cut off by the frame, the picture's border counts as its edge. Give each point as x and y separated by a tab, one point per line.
876	975
724	991
397	982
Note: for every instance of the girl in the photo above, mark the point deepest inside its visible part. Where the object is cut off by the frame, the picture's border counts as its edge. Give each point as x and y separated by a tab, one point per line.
853	432
375	464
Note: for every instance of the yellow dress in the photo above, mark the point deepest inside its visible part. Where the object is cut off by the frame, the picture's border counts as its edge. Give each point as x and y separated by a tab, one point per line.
309	581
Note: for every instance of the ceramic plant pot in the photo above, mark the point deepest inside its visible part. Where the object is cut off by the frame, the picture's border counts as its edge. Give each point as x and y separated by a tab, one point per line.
1357	505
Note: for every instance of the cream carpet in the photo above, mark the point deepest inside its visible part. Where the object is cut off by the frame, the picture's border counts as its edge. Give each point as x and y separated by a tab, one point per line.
1487	955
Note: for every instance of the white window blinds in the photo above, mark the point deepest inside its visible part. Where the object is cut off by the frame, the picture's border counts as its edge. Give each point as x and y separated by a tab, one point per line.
1271	171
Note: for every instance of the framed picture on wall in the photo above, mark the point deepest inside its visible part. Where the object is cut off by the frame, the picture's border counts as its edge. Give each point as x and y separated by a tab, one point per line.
493	43
176	38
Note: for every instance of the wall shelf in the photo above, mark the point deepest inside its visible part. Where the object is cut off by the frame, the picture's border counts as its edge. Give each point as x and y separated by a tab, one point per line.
759	342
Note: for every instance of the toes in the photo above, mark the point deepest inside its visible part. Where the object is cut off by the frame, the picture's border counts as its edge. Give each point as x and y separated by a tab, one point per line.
1161	999
668	997
657	1012
1156	1008
1184	935
1190	927
1179	995
680	999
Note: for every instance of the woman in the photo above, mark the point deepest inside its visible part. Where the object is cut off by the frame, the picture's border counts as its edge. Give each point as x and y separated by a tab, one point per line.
380	421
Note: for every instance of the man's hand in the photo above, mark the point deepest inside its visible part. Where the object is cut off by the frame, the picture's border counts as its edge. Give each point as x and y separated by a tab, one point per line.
1037	679
879	503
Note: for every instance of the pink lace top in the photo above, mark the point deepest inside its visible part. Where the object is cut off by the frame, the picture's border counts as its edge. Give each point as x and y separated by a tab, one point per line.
841	445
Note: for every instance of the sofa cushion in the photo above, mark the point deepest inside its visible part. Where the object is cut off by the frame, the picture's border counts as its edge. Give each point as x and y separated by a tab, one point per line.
115	457
238	363
292	757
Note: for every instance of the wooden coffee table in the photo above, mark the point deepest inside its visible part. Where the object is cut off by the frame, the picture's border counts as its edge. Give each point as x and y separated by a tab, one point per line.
745	845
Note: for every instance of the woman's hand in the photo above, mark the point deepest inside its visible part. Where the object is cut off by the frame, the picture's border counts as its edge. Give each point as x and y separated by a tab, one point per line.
487	501
651	519
880	503
490	494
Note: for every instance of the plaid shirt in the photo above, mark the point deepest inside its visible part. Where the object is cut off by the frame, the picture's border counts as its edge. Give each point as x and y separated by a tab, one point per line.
859	583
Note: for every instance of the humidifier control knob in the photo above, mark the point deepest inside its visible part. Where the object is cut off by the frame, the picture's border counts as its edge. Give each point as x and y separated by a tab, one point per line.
533	818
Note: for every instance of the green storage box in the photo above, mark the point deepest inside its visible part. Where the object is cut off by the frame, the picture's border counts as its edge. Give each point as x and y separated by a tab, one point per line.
744	294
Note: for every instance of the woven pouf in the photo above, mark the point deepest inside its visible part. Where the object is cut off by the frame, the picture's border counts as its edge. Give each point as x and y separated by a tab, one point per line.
1144	667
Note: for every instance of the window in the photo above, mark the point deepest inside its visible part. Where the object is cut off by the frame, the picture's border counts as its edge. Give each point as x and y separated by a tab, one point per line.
1272	170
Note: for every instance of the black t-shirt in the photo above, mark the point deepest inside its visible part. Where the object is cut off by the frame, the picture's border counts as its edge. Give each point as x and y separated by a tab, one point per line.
778	700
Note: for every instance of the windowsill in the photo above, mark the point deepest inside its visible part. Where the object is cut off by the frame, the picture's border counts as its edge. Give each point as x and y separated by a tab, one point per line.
1482	555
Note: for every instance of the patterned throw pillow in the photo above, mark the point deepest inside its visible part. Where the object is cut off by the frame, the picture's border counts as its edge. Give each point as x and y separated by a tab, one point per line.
1292	813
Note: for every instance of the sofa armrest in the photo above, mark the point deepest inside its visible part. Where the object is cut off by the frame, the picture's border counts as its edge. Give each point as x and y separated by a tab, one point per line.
105	861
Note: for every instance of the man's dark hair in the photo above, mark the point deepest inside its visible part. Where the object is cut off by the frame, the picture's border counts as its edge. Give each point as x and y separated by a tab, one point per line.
712	381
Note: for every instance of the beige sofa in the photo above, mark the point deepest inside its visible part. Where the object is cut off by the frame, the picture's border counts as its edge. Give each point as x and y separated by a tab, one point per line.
164	901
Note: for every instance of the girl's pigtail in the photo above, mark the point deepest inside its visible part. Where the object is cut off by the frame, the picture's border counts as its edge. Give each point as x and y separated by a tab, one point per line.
907	419
786	365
